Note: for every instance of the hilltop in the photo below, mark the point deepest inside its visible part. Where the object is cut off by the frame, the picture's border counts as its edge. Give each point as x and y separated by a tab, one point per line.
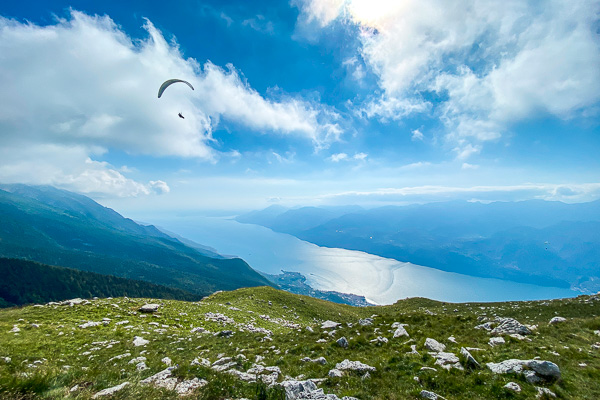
263	343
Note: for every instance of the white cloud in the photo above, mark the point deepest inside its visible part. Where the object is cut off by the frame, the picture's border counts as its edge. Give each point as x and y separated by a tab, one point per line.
82	83
71	168
423	194
496	63
467	166
345	157
260	24
417	135
159	187
360	156
338	157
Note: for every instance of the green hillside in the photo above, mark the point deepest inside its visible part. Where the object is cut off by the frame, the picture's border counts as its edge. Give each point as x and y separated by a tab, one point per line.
57	227
253	343
28	282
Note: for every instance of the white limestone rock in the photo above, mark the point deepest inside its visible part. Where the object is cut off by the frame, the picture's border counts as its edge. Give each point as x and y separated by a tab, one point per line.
434	345
447	360
354	366
186	387
401	331
329	324
149	308
89	324
335	373
542	391
509	326
426	394
513	386
296	389
110	391
557	320
495	341
140	341
470	360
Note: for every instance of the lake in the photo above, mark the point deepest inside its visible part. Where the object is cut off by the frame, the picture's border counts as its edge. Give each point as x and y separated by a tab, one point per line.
381	280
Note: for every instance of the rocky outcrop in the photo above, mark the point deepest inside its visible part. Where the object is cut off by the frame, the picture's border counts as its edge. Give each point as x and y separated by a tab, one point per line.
342	342
149	308
354	366
509	326
533	370
329	324
110	391
434	345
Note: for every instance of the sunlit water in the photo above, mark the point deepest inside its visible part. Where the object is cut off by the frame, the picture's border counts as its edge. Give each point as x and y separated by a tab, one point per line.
380	280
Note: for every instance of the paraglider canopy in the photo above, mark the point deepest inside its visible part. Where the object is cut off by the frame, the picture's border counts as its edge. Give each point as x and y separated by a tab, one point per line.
168	83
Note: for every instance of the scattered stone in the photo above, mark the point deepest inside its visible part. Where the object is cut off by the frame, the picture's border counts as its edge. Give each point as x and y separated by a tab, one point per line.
413	349
447	360
297	389
161	379
140	341
72	302
452	339
513	386
537	371
335	373
223	364
89	324
470	360
224	334
428	369
329	324
186	387
141	366
426	394
246	377
519	337
379	339
401	331
354	366
509	326
320	360
167	361
542	391
342	342
495	341
110	391
200	361
120	356
488	326
366	321
557	320
546	369
149	308
434	345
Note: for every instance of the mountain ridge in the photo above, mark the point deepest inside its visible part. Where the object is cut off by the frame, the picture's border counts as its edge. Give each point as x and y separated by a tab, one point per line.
57	227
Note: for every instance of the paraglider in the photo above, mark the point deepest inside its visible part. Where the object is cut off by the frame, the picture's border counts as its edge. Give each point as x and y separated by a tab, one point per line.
181	116
169	82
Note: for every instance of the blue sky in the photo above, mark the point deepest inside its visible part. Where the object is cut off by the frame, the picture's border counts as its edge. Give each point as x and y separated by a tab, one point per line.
308	102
